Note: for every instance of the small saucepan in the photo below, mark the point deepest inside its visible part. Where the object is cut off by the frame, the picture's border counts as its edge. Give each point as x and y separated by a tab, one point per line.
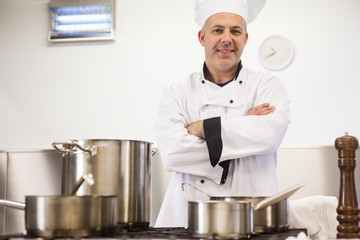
269	219
220	219
238	217
68	216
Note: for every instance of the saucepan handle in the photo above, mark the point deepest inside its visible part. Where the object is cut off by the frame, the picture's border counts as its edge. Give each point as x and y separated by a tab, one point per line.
278	197
12	204
153	152
88	178
91	150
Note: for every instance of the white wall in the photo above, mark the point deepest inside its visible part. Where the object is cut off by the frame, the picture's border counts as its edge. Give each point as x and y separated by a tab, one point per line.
51	92
89	90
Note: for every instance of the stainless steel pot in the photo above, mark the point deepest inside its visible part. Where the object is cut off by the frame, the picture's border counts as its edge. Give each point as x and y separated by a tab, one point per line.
270	213
120	167
220	219
270	219
223	218
68	216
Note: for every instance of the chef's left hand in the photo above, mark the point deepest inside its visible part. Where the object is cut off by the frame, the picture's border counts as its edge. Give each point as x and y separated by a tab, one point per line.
196	129
262	109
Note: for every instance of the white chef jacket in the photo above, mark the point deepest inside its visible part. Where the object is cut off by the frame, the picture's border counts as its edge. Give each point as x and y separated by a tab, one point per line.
250	141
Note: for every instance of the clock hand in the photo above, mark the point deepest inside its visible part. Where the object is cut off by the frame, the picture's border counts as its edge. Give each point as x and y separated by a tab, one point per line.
271	54
281	47
274	52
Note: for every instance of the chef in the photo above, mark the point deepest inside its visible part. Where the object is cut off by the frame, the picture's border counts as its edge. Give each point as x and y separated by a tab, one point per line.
219	129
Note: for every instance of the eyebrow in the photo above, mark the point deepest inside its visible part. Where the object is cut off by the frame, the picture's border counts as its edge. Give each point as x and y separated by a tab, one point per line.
221	26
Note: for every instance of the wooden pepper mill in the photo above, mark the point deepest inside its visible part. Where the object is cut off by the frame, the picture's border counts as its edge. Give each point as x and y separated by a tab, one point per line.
347	209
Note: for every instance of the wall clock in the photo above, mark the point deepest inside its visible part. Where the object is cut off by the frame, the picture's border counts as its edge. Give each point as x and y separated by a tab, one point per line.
276	53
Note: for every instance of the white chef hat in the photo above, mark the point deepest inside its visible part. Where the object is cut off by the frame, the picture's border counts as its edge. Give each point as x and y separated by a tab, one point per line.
247	9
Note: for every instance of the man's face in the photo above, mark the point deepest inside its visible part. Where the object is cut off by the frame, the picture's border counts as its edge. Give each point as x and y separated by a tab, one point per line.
224	39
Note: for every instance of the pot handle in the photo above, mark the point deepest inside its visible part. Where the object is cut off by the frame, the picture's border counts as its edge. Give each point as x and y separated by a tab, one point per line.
278	197
12	204
91	150
153	152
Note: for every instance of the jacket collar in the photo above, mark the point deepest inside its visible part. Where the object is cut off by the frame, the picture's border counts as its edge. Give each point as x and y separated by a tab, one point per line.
205	69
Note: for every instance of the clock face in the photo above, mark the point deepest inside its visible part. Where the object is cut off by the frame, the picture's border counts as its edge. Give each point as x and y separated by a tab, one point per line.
276	53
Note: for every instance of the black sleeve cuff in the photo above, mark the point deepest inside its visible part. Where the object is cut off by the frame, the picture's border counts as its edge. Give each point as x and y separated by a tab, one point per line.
212	130
225	166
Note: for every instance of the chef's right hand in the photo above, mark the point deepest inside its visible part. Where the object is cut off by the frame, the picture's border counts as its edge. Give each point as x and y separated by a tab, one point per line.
197	129
262	109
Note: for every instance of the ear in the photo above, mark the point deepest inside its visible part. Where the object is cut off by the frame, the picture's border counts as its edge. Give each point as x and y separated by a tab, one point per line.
201	37
246	38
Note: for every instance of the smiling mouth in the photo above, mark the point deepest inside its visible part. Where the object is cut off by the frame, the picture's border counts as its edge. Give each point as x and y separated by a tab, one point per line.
225	51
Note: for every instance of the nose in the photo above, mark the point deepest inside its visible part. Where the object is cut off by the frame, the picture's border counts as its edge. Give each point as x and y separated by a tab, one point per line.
226	37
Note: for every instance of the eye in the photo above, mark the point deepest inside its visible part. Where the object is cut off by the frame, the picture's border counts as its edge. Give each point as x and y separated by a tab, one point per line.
236	32
217	30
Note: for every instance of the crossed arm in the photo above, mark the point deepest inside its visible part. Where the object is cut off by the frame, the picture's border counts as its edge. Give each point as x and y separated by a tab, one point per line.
197	129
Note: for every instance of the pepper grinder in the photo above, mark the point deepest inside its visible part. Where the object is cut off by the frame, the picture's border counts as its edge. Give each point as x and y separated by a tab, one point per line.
347	209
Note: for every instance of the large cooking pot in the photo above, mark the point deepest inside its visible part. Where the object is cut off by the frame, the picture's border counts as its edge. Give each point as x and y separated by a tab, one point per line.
68	216
120	167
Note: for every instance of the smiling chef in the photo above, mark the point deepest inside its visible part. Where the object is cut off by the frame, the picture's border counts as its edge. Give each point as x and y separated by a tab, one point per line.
219	128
